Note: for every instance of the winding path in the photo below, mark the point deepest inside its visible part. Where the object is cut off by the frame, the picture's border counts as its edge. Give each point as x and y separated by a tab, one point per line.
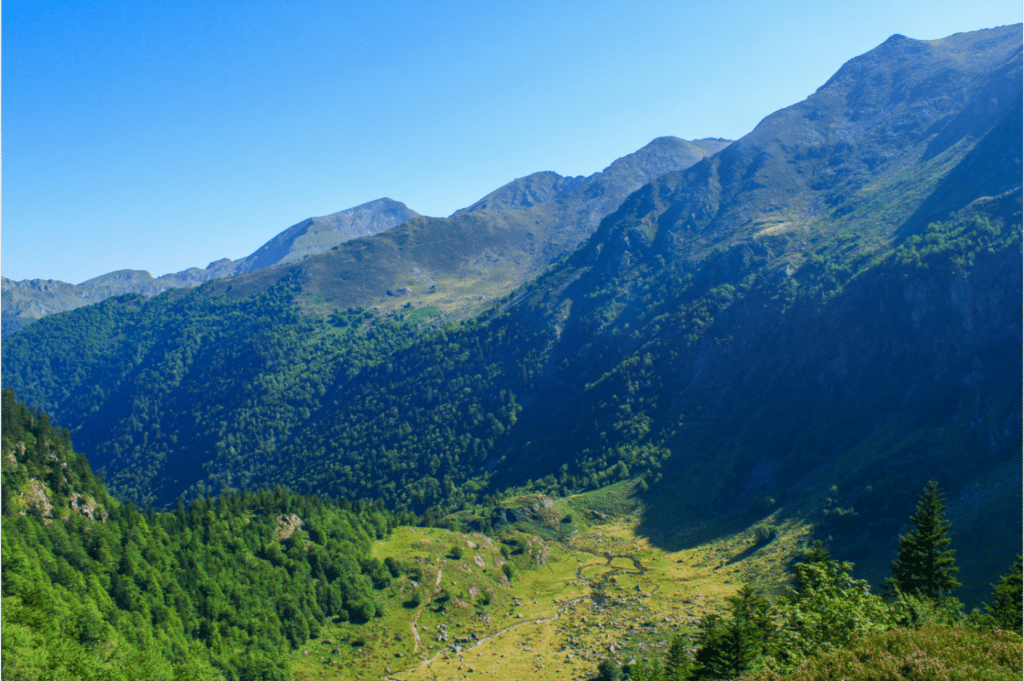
414	624
485	639
540	620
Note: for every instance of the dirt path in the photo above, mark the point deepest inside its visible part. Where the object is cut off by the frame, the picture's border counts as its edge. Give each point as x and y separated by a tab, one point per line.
595	591
414	624
485	639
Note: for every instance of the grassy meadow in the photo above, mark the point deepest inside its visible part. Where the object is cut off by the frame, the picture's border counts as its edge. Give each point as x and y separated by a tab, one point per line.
585	587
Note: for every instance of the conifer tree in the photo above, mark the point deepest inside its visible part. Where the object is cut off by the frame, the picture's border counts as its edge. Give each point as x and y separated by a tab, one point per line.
609	671
728	648
817	553
1007	609
924	565
677	663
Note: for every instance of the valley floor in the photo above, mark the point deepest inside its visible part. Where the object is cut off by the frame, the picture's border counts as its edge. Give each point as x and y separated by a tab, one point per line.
574	600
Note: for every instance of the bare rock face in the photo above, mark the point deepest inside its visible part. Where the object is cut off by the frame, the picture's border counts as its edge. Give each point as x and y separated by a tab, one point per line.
36	496
538	509
88	507
287	525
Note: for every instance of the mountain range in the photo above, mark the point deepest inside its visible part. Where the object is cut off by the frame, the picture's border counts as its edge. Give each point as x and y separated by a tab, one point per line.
813	320
453	268
27	300
578	203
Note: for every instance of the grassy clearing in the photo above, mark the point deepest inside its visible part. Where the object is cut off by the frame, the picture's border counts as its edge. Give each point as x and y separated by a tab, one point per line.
575	598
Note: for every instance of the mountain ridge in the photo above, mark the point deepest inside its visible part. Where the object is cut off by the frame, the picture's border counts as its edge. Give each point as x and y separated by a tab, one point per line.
457	265
27	300
797	312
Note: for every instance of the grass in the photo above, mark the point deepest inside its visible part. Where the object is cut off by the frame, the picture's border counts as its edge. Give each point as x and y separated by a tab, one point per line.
575	599
423	313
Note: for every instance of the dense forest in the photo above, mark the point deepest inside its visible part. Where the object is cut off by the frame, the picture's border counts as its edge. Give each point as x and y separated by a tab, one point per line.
227	395
222	588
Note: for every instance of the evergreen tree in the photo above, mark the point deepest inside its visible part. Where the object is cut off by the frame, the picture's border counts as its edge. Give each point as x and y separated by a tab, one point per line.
677	665
817	553
643	672
924	565
730	647
1007	609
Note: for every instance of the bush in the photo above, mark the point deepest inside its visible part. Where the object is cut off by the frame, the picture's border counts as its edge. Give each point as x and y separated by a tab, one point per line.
829	608
763	534
609	671
946	653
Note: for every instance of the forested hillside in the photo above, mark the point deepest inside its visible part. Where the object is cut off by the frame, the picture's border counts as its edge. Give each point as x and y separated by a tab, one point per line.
221	588
828	308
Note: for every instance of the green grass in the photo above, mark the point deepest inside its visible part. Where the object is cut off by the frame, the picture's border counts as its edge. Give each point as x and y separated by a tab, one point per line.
637	610
423	313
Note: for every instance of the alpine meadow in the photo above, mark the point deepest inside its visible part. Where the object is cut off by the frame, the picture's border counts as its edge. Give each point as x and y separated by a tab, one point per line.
744	409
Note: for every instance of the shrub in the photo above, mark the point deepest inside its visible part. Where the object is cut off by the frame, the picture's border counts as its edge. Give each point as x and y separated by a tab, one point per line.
828	609
946	653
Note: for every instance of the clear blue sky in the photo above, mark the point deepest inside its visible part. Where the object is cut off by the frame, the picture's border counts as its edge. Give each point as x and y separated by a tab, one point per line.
163	135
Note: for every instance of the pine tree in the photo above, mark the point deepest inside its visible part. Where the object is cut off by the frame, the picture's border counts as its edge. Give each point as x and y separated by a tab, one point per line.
609	671
677	663
816	553
1006	611
924	565
730	647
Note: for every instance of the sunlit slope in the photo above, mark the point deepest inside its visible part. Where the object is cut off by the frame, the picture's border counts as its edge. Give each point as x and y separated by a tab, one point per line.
459	264
582	591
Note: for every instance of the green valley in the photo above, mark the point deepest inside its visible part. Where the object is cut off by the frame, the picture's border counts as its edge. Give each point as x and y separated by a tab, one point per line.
668	421
274	586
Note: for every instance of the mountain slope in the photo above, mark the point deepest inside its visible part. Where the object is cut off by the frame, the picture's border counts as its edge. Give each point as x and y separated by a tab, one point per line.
456	266
526	192
31	299
219	590
562	226
798	321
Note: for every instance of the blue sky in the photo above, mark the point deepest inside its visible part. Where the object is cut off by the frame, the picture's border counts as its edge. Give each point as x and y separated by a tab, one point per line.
164	135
